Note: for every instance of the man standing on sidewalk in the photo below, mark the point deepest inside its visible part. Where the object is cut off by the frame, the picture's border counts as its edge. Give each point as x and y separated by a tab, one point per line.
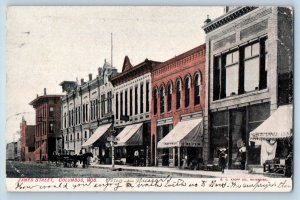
136	158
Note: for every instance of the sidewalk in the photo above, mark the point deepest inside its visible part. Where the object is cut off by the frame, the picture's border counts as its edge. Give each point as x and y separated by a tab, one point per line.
175	172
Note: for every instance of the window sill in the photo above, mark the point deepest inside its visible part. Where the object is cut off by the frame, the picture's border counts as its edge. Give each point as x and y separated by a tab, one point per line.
256	92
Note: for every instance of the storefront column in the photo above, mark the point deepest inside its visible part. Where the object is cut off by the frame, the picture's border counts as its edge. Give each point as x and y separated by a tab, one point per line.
178	157
174	156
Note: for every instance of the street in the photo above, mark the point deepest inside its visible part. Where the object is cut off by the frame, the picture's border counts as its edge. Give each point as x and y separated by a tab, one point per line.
16	169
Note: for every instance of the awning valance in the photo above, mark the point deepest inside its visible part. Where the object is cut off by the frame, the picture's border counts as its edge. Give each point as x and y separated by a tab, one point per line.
278	125
185	134
131	135
99	134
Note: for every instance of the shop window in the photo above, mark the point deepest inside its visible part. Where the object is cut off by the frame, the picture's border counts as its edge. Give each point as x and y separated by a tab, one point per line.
169	97
155	101
162	99
197	89
117	106
178	94
141	98
187	91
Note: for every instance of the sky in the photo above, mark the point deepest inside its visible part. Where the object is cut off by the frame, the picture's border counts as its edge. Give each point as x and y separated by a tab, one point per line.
48	45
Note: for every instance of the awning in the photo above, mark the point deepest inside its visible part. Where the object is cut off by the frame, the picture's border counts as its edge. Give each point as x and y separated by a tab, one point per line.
130	136
97	135
278	125
185	134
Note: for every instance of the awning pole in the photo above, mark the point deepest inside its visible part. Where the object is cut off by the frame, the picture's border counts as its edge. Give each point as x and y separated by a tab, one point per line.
178	157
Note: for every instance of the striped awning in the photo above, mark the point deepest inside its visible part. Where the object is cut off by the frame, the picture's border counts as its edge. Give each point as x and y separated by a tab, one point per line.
131	135
185	134
278	125
100	134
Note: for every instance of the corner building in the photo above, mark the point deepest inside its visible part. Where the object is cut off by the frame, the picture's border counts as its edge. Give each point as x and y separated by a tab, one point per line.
87	114
27	140
249	64
178	102
132	111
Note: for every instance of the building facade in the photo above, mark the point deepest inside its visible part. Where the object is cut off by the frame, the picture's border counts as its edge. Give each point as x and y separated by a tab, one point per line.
47	129
86	111
132	110
178	102
249	64
13	150
27	141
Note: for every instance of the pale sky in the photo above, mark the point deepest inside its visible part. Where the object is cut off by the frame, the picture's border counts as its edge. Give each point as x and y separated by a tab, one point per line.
47	45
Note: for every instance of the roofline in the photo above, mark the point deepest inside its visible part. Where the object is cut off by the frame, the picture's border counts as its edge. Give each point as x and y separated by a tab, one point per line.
44	96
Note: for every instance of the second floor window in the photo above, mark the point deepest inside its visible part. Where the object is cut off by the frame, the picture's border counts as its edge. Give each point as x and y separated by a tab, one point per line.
155	101
169	97
147	97
187	91
102	105
126	103
117	106
136	100
178	94
142	98
162	99
197	89
130	102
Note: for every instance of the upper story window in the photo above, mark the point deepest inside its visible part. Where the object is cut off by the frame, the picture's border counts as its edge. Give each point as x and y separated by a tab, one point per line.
240	71
187	91
65	120
117	106
162	99
79	114
102	105
136	100
155	101
126	103
109	102
142	98
147	97
197	89
121	103
87	112
51	111
83	113
178	94
51	128
130	102
169	97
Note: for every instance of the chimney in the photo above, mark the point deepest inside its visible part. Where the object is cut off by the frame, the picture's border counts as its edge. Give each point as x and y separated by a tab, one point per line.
45	91
207	20
37	95
99	71
82	81
90	77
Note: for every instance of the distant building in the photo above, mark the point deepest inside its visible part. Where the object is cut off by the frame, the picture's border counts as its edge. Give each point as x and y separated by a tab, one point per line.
27	141
13	151
132	109
249	65
178	102
47	130
87	114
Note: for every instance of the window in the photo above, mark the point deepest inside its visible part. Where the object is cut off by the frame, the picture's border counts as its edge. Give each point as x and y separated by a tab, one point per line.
136	100
71	138
65	120
76	116
155	101
79	114
92	110
147	97
162	99
67	138
85	134
197	89
97	108
187	91
51	111
232	73
130	102
51	128
240	71
72	119
178	94
109	102
77	136
142	98
117	106
69	118
126	103
169	97
102	105
83	113
121	103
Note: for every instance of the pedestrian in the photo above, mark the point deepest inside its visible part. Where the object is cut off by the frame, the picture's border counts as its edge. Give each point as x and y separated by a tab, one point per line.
222	160
136	157
242	152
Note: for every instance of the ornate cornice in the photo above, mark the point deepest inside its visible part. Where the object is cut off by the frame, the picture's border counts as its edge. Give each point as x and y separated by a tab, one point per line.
226	18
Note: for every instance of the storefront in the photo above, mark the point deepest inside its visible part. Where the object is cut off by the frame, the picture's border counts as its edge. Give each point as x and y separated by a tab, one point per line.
181	145
275	135
130	148
96	144
230	130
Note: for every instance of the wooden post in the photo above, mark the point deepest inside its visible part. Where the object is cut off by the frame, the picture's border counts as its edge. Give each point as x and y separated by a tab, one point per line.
179	157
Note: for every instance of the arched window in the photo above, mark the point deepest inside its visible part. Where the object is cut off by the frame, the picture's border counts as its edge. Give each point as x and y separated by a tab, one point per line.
187	91
178	94
169	97
197	89
162	99
155	101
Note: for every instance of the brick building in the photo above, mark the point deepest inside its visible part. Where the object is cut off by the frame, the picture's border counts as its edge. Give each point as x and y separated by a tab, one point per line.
249	64
27	141
47	128
132	98
87	113
178	102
